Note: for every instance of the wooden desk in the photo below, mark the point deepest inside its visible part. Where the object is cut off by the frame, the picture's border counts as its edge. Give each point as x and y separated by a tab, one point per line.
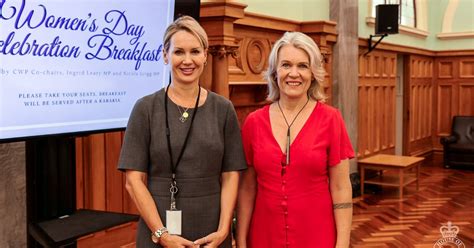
391	162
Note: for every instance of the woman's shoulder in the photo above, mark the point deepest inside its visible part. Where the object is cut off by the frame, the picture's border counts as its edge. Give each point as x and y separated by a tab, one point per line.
328	114
218	99
147	102
151	98
327	110
258	115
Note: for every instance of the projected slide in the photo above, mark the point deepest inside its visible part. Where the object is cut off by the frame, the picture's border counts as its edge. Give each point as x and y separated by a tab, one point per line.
73	66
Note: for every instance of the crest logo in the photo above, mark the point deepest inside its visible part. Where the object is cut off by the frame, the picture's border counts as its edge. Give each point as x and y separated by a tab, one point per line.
449	234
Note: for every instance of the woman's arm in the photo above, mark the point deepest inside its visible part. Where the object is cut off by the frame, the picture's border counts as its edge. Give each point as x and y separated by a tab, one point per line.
229	186
245	204
135	185
341	193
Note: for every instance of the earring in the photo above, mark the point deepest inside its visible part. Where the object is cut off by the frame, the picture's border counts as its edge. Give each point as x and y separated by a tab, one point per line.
166	62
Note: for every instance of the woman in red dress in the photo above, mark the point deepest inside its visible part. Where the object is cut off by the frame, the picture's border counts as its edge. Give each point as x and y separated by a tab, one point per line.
296	191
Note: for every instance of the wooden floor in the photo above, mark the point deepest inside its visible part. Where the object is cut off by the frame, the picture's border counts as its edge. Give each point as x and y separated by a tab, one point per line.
382	220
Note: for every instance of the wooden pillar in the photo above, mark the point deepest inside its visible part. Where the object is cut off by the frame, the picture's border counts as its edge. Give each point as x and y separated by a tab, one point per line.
220	72
218	18
345	65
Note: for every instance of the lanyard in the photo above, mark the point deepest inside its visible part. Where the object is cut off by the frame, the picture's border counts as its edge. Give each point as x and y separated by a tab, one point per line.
174	188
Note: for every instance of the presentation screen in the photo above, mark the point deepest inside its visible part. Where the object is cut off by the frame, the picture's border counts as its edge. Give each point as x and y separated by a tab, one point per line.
78	66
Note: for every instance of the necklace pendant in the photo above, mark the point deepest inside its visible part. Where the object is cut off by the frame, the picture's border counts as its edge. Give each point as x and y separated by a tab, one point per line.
184	116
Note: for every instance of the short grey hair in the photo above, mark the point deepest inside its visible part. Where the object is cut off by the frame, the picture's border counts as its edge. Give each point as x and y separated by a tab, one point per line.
305	43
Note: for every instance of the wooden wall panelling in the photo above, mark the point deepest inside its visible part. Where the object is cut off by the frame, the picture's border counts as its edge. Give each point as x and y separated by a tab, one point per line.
454	76
363	107
466	86
100	185
388	141
446	107
97	195
114	186
80	184
82	168
420	123
377	114
90	172
466	96
466	68
376	118
327	54
445	69
451	74
446	91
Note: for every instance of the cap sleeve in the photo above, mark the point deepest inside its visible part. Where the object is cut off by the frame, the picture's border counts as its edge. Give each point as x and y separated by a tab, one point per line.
340	145
247	134
135	148
233	159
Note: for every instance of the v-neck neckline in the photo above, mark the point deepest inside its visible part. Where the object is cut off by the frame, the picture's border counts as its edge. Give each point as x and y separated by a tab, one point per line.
297	135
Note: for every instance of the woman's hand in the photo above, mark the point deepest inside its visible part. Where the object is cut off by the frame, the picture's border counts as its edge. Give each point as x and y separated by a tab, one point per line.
175	241
212	240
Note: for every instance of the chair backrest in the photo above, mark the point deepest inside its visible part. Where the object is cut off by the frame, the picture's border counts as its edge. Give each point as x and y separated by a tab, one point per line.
463	128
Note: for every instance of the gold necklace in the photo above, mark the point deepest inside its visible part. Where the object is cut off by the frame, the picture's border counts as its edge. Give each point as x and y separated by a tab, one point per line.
183	112
183	115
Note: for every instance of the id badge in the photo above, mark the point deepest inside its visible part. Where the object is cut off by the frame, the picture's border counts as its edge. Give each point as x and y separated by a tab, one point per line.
173	221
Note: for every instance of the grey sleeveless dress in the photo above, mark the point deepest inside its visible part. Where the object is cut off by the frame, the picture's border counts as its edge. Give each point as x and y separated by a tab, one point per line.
214	146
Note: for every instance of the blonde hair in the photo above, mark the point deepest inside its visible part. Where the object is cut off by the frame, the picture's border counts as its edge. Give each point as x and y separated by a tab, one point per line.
305	43
188	24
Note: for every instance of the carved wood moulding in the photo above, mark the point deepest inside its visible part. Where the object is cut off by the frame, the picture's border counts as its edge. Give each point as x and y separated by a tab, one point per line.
256	56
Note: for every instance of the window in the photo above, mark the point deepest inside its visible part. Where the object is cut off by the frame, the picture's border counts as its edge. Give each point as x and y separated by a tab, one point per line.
407	13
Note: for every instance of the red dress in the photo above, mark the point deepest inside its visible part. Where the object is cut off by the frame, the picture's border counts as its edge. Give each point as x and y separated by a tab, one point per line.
295	209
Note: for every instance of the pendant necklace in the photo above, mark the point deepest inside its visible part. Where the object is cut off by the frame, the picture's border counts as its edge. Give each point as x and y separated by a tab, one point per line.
288	134
183	115
183	112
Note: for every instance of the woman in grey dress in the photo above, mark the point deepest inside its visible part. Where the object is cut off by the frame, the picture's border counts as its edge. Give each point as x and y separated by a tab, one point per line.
187	140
